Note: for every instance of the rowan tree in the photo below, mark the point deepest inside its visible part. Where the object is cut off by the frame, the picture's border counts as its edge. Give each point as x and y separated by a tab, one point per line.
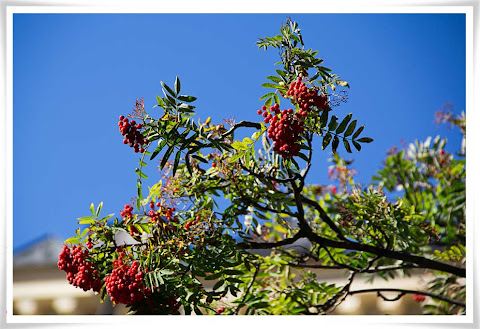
260	249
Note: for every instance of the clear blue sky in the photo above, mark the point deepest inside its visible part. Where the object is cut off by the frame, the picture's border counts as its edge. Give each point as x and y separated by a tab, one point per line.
74	74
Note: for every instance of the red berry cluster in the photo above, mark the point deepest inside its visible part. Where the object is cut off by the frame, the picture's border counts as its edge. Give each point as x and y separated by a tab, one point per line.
419	298
125	284
221	310
306	98
162	211
192	223
285	129
80	272
127	211
131	131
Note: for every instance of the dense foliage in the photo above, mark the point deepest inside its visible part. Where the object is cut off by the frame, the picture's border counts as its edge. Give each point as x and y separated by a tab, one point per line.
258	251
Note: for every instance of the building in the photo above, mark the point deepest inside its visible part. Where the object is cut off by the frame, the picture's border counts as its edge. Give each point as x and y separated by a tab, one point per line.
39	287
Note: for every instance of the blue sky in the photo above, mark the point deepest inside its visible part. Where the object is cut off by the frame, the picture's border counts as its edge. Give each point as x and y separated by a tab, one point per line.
74	74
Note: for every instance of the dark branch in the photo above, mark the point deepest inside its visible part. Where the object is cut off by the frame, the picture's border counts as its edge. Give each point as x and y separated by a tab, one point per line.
241	124
269	245
390	268
419	260
332	267
257	269
323	216
403	292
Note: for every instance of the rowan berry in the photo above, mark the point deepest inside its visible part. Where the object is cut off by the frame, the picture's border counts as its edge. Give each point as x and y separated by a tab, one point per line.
80	272
125	283
131	132
419	298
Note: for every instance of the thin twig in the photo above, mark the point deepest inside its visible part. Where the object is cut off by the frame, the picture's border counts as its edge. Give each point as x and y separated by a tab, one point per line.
407	291
257	268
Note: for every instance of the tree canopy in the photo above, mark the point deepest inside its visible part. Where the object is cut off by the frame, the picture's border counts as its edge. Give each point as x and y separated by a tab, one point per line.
261	248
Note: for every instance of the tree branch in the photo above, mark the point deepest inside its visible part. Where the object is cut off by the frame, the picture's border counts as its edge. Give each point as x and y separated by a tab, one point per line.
419	260
269	245
404	292
257	269
323	216
241	124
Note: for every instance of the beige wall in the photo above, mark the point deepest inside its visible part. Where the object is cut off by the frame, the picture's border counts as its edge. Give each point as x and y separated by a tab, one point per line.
46	291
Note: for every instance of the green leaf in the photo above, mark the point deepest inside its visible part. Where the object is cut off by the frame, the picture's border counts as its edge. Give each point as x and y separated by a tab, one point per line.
359	130
85	230
274	78
270	85
343	83
141	174
260	305
333	123
167	88
351	128
269	102
87	220
239	146
277	99
199	158
106	217
303	156
323	119
235	157
175	164
187	162
177	85
335	144
72	240
326	140
92	207
166	156
139	192
347	145
267	95
280	72
158	149
218	284
247	140
343	124
185	108
357	145
161	103
295	163
365	140
188	99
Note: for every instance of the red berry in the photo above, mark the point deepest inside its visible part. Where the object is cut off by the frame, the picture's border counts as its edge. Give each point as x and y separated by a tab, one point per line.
419	298
214	165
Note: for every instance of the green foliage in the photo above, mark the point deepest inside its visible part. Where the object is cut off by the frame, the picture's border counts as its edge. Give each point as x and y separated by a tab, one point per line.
200	258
